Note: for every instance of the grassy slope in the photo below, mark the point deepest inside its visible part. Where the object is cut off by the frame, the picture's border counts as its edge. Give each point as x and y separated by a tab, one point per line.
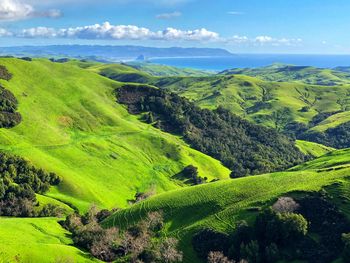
241	94
72	126
163	70
303	74
33	240
313	149
220	205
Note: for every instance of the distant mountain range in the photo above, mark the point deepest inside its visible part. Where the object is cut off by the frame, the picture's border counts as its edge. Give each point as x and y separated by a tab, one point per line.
111	53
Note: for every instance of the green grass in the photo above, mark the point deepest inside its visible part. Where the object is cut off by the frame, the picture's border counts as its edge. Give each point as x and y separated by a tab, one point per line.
73	127
244	96
332	121
34	240
313	149
302	74
222	204
163	70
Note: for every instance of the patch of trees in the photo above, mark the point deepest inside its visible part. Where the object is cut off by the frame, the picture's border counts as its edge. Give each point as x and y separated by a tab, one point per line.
9	117
309	229
19	182
243	147
262	242
143	242
190	176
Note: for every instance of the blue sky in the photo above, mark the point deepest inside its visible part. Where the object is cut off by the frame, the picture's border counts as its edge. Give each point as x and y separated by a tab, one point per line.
241	26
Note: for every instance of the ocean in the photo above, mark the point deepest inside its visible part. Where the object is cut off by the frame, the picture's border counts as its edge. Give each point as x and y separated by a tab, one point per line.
254	61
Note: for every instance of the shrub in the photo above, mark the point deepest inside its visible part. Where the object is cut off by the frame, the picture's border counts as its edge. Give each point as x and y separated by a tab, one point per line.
208	240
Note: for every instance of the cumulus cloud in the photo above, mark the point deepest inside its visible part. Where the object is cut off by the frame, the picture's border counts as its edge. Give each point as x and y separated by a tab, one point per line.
263	40
107	31
169	15
11	10
119	32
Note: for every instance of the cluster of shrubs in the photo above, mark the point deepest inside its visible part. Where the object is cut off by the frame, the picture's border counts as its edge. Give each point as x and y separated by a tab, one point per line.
283	232
19	182
243	147
142	242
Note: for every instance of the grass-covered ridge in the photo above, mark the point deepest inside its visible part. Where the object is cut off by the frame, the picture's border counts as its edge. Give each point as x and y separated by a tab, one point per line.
73	127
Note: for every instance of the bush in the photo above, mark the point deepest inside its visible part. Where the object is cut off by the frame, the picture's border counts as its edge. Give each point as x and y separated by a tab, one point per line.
208	240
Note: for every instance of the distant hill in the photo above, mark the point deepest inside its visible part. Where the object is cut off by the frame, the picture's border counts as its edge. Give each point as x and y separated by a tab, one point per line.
111	53
304	74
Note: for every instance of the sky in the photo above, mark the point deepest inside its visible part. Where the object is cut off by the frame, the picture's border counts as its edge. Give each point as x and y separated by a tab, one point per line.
240	26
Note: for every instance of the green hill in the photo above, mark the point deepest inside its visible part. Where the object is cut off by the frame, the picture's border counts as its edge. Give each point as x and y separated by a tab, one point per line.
222	205
163	70
303	74
72	126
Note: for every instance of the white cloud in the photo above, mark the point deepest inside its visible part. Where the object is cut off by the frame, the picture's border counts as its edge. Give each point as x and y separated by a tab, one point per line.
11	10
264	40
4	33
169	15
120	32
235	13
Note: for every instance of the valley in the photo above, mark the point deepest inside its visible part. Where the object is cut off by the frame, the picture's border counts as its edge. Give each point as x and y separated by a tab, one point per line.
205	150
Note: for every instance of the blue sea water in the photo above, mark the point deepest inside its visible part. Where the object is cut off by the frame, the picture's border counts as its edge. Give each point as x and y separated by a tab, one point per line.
254	61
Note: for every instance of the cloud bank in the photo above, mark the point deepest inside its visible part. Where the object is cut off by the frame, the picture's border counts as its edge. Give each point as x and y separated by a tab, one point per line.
119	32
107	31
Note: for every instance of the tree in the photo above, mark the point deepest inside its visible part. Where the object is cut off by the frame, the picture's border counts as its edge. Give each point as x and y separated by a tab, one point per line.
218	257
285	205
208	240
293	226
168	252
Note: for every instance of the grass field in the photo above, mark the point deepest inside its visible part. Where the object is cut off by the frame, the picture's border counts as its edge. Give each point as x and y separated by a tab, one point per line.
33	240
73	126
302	74
313	149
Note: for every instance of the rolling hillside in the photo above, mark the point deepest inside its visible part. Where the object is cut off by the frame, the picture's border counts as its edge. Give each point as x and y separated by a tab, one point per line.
72	126
302	74
222	205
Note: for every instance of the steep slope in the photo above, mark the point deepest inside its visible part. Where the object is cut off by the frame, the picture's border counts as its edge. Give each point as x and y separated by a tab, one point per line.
221	205
73	126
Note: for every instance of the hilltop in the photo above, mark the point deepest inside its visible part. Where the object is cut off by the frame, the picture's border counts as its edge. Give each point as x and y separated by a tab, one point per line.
303	74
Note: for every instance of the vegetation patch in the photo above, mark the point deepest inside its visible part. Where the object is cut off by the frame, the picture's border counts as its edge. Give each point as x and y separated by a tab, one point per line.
19	184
